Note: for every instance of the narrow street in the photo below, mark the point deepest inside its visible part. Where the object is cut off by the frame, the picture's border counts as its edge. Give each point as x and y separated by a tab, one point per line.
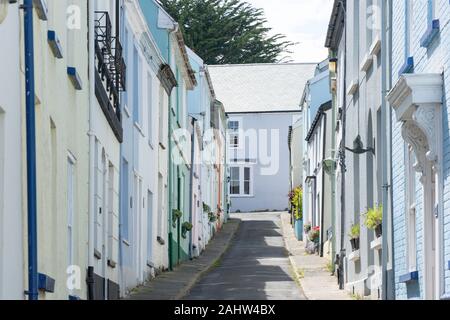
256	266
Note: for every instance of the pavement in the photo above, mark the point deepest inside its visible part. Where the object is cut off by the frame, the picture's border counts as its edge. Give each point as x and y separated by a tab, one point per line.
176	284
311	270
255	267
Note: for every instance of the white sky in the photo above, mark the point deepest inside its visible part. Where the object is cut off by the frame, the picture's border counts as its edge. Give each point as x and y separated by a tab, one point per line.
302	21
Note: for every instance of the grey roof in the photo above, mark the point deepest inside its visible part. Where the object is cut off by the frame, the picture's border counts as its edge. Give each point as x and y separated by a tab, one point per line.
261	87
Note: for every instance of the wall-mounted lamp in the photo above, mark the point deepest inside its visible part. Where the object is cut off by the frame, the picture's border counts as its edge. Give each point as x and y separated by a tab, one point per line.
358	147
332	65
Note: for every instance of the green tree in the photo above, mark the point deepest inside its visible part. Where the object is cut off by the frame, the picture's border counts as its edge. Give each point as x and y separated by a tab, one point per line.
227	31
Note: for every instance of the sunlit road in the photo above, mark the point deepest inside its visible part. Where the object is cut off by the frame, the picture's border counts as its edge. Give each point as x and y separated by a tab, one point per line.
255	267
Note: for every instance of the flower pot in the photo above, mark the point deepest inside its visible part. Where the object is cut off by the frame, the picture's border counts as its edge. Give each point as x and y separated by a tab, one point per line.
298	229
355	244
378	231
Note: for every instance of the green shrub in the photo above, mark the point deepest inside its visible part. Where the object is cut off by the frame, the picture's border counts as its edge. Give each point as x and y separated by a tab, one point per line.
374	217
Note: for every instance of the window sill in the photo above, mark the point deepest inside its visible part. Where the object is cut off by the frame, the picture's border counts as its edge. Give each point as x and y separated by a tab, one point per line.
125	242
430	34
367	62
162	146
376	244
376	46
138	127
150	144
409	277
408	67
352	87
355	256
126	111
241	196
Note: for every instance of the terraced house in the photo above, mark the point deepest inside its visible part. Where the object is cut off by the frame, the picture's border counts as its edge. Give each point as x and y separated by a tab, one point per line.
420	103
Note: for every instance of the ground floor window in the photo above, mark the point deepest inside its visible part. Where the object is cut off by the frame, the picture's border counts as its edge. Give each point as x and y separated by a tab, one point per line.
241	180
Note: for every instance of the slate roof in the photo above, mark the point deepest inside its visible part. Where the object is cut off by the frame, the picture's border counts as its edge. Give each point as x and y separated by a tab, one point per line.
248	88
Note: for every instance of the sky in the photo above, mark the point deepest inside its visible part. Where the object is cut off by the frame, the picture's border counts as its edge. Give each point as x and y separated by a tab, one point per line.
303	21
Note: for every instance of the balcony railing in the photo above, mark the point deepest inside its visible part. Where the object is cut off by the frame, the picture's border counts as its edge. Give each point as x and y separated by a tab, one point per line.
111	70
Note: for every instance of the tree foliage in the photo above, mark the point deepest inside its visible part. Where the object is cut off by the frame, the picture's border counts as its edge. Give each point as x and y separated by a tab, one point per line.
227	31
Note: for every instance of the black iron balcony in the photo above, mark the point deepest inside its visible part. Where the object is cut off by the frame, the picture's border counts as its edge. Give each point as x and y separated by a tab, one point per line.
111	70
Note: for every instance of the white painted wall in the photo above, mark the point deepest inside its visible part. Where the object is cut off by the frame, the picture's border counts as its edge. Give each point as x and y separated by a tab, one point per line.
11	226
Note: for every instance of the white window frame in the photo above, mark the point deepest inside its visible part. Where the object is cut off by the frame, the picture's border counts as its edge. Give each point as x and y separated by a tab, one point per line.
411	214
234	133
242	168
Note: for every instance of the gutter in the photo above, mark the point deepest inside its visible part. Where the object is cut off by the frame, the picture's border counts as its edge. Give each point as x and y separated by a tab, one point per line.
31	151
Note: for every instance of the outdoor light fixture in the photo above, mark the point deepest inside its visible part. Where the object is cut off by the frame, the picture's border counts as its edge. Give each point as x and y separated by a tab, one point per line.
332	65
358	147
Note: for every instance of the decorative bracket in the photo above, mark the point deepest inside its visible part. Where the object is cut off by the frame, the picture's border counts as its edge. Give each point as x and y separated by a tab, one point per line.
417	101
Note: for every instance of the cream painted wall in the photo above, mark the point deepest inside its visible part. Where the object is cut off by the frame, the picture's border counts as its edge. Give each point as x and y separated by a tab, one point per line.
61	132
11	229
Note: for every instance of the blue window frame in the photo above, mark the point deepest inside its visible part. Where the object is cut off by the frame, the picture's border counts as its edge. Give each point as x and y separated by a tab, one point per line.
433	25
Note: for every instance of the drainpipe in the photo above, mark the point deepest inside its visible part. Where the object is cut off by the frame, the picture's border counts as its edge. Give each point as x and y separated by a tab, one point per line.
191	184
31	151
324	150
386	143
169	142
91	134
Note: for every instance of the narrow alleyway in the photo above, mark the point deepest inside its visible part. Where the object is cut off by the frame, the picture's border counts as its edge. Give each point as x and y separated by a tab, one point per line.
256	265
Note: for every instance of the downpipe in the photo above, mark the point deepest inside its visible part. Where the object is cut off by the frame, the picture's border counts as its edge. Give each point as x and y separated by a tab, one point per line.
31	150
191	185
91	134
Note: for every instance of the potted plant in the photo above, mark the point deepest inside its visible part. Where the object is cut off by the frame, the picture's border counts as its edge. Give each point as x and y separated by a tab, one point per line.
374	219
314	234
176	214
296	200
307	228
185	228
355	231
212	217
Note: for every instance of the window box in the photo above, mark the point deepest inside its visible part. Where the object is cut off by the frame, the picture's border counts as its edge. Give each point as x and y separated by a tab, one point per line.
54	44
430	34
376	244
409	277
354	256
408	67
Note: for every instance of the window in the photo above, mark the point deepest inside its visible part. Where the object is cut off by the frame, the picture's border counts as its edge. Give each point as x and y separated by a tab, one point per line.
356	22
149	108
136	107
371	24
408	26
112	218
70	207
233	127
235	181
125	199
149	225
431	14
161	198
241	182
411	210
161	115
125	56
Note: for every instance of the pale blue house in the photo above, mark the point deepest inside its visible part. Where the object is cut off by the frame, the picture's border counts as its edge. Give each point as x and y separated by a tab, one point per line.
420	99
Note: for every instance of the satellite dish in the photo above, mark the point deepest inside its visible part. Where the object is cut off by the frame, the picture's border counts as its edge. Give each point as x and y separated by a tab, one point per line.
3	9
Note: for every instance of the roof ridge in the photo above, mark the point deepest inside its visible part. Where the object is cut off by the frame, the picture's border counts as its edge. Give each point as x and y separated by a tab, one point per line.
261	64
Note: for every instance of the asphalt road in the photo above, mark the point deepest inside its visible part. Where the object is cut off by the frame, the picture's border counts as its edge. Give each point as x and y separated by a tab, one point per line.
255	267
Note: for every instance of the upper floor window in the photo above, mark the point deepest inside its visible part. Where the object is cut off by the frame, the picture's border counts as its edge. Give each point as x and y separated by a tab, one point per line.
136	82
234	127
241	182
431	11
